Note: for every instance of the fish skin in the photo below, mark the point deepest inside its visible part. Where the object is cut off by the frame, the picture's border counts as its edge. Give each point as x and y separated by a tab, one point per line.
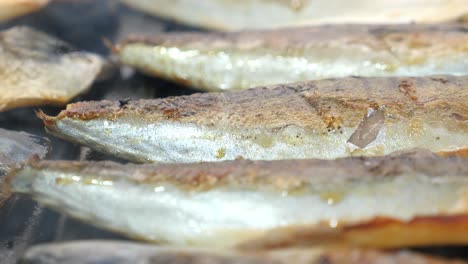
16	147
118	252
36	69
355	201
13	8
293	121
214	61
235	15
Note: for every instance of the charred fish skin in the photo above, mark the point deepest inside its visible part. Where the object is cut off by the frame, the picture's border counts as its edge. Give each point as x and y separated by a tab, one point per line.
235	15
323	119
13	8
102	252
37	69
234	61
206	204
16	147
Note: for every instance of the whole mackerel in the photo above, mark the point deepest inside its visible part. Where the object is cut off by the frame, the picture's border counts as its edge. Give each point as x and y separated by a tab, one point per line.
234	14
323	119
233	61
401	200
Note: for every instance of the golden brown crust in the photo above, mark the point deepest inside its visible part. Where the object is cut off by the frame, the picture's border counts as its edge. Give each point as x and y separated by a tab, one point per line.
376	233
319	105
289	175
460	153
378	37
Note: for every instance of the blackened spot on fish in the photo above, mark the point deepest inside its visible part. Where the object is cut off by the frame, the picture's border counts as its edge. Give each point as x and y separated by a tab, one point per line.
442	80
458	117
124	102
408	89
188	113
324	260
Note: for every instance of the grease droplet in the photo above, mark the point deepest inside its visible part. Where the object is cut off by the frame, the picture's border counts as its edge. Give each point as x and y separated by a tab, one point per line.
333	223
331	198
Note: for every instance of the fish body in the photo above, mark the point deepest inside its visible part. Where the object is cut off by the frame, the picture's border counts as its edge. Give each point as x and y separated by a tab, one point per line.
234	15
323	119
36	69
13	8
215	61
264	204
118	252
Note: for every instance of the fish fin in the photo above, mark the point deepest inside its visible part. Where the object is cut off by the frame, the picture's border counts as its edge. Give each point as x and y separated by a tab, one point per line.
48	122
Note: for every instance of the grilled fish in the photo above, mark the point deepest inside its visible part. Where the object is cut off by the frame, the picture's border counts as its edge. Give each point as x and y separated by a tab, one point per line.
319	119
241	60
12	8
16	147
233	15
36	69
117	252
250	204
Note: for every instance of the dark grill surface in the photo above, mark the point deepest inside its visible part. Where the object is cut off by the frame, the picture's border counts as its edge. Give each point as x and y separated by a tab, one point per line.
84	24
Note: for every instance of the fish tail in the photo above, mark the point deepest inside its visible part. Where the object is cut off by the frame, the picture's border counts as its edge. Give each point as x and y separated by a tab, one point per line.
108	43
45	118
7	174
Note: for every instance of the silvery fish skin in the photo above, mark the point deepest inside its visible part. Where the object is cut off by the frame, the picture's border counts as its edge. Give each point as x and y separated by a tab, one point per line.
118	252
13	8
16	147
323	119
234	15
358	201
234	61
36	69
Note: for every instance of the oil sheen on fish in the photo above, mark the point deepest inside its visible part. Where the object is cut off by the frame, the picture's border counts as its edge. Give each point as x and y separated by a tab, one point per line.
319	119
118	252
12	8
233	61
36	69
239	203
16	147
234	14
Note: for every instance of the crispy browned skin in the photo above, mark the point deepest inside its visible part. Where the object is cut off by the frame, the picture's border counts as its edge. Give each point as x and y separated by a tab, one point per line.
322	105
377	233
101	252
378	37
459	153
281	175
